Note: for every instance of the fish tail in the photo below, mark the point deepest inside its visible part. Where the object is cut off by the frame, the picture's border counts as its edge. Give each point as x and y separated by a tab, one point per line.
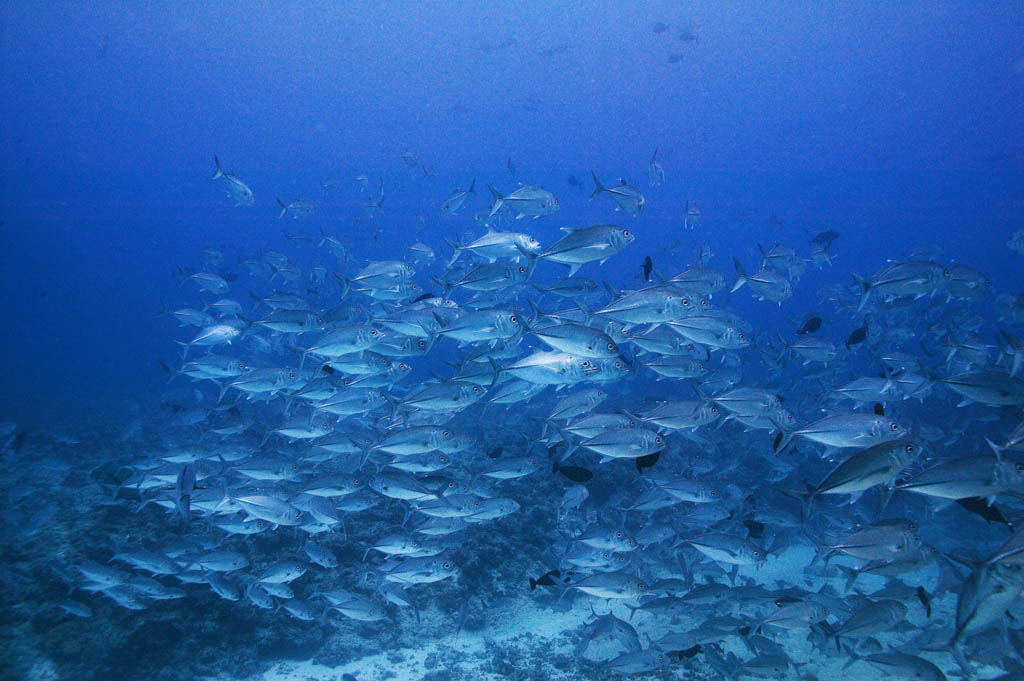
598	186
284	209
472	187
220	171
499	200
865	286
456	251
741	275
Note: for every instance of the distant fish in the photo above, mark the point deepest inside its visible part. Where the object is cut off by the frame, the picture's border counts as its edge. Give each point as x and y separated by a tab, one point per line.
659	27
574	473
858	336
511	167
655	172
648	268
810	326
236	189
554	52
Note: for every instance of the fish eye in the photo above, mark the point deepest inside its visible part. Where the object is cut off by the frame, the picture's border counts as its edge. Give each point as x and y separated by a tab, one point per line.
618	365
522	269
657	439
625	233
447	566
476	388
451	485
701	367
714	492
442	458
757	554
1020	467
895	426
445	433
373	332
512	319
611	346
403	366
618	534
586	363
742	337
686	302
910	449
422	343
641	586
704	303
291	374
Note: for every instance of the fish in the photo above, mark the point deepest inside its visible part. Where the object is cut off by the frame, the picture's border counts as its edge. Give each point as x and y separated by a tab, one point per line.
627	198
655	172
454	202
526	201
234	187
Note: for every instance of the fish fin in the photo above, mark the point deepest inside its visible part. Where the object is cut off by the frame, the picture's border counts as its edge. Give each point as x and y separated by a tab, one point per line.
599	187
220	171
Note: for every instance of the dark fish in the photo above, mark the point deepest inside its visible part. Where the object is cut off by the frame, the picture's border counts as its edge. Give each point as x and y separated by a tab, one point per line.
810	326
554	52
755	528
511	167
675	58
183	488
925	599
327	369
648	266
348	677
980	507
687	36
163	365
553	578
573	181
647	461
494	453
574	473
659	27
686	654
880	409
857	336
823	238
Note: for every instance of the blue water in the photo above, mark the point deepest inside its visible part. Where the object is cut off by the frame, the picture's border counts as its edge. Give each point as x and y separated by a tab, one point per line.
897	127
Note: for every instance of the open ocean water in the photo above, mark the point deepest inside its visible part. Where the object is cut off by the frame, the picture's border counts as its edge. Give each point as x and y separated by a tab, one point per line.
537	340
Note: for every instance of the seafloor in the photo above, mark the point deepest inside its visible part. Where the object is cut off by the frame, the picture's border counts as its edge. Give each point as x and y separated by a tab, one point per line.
59	510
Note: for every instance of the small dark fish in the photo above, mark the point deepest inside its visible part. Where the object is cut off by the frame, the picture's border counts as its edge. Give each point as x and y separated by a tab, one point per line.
879	409
687	36
675	58
327	369
183	489
826	237
574	473
511	167
659	27
573	181
858	336
925	599
810	326
348	677
553	578
648	266
689	652
980	507
425	296
755	528
494	453
163	365
647	461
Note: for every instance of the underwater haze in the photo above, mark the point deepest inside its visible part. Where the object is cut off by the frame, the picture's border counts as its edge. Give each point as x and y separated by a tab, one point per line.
536	340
